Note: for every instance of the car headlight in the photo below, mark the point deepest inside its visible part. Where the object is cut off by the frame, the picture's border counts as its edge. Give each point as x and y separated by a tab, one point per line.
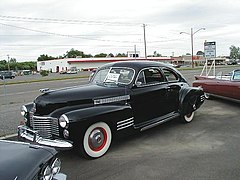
56	165
51	170
23	110
63	121
47	173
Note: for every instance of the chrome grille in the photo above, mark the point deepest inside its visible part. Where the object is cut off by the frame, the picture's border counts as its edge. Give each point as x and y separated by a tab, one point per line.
46	126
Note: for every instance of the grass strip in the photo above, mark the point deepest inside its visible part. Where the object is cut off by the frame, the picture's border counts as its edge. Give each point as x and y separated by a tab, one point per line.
42	80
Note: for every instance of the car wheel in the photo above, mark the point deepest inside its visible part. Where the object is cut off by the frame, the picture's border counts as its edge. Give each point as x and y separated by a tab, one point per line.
96	140
188	117
207	95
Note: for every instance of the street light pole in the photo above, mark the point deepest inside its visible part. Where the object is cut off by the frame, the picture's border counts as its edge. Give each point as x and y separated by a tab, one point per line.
145	43
191	34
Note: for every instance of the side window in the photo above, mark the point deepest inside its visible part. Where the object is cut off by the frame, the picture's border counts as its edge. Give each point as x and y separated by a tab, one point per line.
141	79
236	75
150	76
170	75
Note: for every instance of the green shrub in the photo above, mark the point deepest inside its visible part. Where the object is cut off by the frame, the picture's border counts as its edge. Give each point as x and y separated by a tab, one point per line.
44	72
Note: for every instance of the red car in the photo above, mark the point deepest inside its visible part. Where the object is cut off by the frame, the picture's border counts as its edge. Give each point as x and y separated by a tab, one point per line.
224	86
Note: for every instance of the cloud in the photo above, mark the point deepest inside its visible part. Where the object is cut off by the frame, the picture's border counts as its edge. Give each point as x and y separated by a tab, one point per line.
115	26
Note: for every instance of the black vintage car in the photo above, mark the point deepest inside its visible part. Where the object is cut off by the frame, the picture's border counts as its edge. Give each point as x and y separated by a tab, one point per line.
121	98
21	161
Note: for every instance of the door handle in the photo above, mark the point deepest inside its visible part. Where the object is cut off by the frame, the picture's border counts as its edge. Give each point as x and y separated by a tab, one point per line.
168	88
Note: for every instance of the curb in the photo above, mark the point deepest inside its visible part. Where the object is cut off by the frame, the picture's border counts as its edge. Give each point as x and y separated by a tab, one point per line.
8	136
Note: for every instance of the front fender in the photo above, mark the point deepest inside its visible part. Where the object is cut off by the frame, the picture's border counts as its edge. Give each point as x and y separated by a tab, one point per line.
190	99
110	114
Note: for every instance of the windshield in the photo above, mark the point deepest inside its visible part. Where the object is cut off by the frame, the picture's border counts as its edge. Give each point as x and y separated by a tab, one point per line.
118	75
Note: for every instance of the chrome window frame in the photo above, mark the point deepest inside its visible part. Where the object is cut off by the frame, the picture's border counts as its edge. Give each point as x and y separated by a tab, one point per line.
153	84
171	70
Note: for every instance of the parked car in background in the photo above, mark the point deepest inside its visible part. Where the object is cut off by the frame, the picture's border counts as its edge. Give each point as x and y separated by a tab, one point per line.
224	86
63	72
20	161
72	70
7	75
121	98
232	62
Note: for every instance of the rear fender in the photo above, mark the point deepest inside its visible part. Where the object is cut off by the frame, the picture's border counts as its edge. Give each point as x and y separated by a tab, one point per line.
191	98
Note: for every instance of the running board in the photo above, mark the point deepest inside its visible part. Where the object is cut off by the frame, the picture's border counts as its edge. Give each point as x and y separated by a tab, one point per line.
175	115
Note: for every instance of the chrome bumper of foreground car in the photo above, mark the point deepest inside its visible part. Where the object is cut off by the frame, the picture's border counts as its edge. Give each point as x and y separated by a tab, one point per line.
27	134
60	176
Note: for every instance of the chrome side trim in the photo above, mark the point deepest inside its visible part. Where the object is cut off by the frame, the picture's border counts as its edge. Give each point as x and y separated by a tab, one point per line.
111	99
28	134
120	122
125	123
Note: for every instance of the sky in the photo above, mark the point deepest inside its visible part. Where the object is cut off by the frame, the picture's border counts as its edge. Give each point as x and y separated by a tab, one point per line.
29	28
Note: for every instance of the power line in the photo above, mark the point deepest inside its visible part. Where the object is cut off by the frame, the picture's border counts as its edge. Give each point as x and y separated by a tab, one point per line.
64	35
167	40
64	21
109	34
60	45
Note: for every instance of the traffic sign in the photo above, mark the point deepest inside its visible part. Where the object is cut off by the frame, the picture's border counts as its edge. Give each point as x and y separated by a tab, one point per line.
210	49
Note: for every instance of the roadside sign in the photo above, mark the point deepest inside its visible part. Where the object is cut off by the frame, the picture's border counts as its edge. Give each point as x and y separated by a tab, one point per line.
210	49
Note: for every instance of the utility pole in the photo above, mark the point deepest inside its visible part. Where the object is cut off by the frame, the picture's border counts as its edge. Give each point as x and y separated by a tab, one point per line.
135	51
8	63
145	44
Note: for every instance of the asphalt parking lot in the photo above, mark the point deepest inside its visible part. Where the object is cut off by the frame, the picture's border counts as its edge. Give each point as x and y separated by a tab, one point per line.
207	148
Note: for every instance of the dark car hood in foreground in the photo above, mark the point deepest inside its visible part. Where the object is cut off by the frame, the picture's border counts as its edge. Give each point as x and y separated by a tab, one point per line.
78	95
21	160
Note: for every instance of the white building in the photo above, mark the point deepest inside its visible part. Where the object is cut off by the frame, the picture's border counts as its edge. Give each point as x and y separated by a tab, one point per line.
55	65
84	64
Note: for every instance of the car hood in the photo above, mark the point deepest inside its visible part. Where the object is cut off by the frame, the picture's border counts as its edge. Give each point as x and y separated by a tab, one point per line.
22	160
74	96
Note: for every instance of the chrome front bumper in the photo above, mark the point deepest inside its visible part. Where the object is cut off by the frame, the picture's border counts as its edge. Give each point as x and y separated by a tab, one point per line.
27	134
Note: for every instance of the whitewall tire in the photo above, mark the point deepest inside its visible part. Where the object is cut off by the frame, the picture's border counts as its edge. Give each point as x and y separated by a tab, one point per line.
97	140
188	117
207	95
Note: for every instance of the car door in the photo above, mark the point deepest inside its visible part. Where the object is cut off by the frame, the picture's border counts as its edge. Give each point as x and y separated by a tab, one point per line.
173	89
149	95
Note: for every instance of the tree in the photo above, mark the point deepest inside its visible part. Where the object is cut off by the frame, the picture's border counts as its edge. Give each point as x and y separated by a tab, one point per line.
234	52
3	65
44	57
155	54
73	54
76	53
110	55
200	53
88	55
121	55
30	65
101	55
12	60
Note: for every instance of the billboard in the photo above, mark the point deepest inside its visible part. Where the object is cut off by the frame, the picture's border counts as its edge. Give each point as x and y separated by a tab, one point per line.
210	49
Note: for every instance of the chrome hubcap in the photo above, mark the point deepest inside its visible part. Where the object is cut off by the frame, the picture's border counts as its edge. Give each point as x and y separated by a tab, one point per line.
97	139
